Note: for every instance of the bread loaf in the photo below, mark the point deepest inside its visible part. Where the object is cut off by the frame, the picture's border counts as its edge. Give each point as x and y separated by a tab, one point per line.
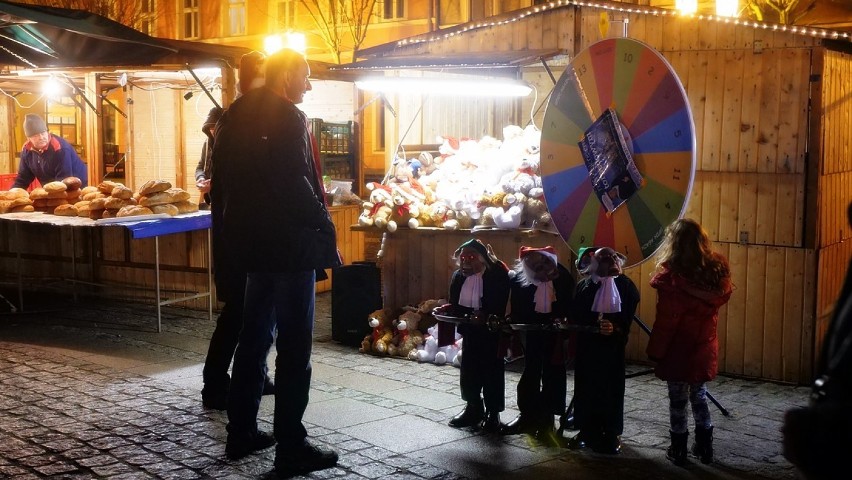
22	208
107	186
57	194
89	189
66	211
98	203
172	195
122	192
154	186
93	195
108	213
113	203
73	183
133	210
54	187
186	207
14	193
55	202
166	208
38	194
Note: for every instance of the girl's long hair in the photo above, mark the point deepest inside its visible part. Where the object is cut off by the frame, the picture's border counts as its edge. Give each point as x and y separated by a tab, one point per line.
687	251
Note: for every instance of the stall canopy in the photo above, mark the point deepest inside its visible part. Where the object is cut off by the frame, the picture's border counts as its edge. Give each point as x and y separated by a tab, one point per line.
34	36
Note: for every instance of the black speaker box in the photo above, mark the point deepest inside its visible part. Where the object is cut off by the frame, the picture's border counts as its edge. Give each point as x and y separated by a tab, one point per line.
355	294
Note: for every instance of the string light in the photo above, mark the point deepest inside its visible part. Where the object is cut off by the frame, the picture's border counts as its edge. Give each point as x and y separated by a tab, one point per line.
560	4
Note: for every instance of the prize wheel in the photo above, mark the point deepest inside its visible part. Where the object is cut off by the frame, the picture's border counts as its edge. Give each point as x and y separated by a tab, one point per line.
625	80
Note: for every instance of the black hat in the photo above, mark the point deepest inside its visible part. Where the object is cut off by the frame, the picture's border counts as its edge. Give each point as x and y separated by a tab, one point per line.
474	244
212	117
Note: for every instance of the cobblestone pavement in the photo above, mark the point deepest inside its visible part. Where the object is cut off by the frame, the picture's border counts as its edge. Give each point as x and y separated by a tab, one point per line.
92	391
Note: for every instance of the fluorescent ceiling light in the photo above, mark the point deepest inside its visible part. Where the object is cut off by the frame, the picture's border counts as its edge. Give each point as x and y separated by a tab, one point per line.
483	87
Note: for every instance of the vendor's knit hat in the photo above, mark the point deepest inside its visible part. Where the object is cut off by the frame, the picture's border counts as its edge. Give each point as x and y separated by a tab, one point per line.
33	125
547	251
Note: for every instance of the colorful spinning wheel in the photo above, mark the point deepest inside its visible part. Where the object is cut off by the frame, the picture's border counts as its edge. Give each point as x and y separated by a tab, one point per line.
637	83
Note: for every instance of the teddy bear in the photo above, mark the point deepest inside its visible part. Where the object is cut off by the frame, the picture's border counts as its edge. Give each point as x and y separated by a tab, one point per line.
536	214
377	211
509	215
404	211
408	338
382	334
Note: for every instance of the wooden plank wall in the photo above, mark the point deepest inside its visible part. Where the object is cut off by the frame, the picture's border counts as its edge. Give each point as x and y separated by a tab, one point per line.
749	92
349	242
834	190
417	264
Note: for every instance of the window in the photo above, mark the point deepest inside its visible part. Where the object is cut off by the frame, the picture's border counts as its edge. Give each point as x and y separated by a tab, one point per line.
453	12
287	14
236	17
148	17
391	9
190	19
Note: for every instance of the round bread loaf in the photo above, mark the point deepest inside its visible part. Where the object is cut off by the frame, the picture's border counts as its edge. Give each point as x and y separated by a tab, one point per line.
38	194
55	202
93	195
14	193
153	186
66	211
89	189
108	213
57	194
113	203
166	208
98	203
73	183
22	208
53	187
122	192
106	186
133	210
186	207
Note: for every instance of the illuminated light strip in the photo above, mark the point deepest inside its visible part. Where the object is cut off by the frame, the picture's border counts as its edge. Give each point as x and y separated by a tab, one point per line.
538	9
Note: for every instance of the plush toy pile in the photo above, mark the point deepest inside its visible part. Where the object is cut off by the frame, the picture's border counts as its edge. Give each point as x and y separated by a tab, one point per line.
398	334
485	183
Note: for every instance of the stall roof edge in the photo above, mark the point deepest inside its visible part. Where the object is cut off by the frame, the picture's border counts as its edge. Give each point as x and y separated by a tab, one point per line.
462	60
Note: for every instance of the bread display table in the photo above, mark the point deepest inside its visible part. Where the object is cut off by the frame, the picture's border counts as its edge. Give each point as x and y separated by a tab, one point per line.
142	227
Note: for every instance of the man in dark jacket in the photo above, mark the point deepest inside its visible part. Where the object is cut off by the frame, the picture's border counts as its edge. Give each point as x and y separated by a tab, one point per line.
47	157
274	224
541	291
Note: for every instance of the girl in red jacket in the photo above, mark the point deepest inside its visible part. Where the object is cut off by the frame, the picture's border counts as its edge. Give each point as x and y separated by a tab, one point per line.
692	282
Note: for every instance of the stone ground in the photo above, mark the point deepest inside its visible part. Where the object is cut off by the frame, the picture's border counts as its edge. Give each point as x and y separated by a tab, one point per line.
91	390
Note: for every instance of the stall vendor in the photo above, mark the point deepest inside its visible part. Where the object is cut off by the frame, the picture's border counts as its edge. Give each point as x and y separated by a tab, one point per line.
47	157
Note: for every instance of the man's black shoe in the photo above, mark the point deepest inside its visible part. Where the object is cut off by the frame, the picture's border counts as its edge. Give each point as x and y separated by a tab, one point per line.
268	387
239	446
302	460
471	416
609	444
521	424
492	422
216	401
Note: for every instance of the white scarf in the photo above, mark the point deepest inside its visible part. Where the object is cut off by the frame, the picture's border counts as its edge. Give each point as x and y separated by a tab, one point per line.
607	298
471	292
543	296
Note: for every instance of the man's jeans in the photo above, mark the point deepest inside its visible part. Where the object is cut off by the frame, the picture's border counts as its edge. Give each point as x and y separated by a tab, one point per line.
285	299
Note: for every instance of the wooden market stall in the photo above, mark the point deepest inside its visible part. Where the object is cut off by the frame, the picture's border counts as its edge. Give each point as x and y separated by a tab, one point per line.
772	111
150	96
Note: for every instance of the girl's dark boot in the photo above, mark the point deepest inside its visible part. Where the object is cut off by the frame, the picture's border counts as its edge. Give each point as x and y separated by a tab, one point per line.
703	447
677	450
